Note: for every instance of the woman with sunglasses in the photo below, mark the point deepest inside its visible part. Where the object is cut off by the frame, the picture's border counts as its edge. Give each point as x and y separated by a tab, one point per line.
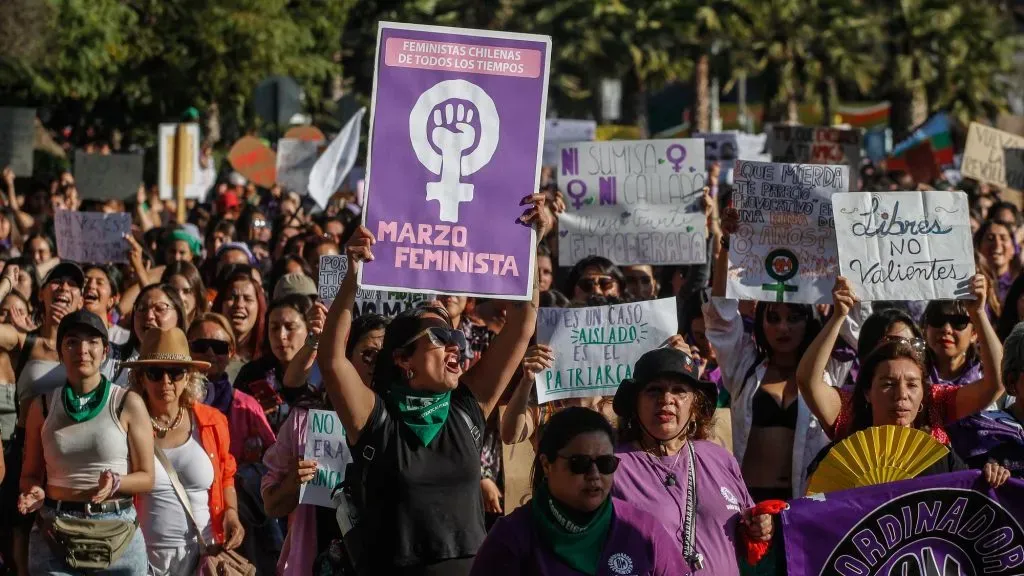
210	340
192	441
595	276
573	525
422	423
883	398
670	466
952	340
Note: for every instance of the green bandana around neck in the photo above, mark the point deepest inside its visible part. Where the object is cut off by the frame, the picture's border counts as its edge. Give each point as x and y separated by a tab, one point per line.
83	407
423	412
579	546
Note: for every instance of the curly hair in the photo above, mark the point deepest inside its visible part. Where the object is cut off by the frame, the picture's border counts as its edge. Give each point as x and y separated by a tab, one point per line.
194	391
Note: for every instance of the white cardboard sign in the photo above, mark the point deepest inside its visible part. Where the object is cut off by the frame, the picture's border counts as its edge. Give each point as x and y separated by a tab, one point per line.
92	237
325	443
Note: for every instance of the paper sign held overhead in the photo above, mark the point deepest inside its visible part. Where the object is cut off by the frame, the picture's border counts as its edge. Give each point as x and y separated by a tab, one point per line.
17	139
105	177
191	172
456	131
905	245
558	131
785	247
255	160
633	202
995	157
92	237
388	304
596	348
325	443
333	269
721	147
818	145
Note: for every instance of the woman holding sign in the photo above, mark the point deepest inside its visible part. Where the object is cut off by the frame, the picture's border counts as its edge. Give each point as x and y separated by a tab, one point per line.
416	435
193	459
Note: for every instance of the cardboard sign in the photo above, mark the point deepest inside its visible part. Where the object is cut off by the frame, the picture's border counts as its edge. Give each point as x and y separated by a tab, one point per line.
633	202
255	160
810	145
785	247
92	237
388	304
994	156
721	147
191	172
103	177
295	160
596	348
17	139
333	269
558	131
325	443
456	130
905	245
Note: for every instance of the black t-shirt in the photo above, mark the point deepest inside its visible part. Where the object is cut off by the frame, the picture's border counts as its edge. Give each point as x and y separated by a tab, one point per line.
423	504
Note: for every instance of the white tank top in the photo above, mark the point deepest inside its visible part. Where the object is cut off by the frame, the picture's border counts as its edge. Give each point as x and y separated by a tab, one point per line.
77	453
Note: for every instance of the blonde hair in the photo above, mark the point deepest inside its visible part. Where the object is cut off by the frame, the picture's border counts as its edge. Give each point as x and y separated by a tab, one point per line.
194	392
217	319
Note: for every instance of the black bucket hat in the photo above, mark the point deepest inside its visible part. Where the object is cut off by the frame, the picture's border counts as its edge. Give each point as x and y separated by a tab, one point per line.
656	363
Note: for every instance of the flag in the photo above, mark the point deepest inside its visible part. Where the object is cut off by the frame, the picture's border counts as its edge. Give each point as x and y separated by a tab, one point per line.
925	151
334	164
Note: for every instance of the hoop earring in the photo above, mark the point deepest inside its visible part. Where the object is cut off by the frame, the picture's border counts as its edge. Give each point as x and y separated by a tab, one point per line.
409	374
691	428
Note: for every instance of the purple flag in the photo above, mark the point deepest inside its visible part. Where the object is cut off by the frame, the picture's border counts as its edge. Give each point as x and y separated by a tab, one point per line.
456	135
945	525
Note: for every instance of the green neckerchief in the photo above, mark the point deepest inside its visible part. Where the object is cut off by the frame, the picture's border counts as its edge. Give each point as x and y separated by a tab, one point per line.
578	546
81	408
423	412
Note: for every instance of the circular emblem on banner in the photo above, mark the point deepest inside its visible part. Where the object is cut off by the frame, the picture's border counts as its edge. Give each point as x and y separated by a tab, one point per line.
620	563
781	264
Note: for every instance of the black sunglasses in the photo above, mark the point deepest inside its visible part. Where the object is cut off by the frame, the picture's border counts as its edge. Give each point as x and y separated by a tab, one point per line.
957	321
156	373
580	463
202	346
589	283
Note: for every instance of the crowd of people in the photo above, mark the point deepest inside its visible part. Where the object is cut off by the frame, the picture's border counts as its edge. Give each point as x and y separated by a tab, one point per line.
154	414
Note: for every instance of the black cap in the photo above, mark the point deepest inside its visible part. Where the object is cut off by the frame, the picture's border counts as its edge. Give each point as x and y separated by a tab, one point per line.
65	270
82	319
656	363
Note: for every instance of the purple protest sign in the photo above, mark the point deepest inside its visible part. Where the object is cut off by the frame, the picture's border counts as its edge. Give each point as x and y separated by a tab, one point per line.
950	524
456	135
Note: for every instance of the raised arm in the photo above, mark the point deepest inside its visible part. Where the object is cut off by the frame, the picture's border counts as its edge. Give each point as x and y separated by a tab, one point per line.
517	423
978	395
488	378
24	221
351	399
824	400
297	373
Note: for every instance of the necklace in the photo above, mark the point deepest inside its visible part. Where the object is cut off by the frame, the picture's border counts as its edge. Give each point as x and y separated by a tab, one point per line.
162	430
670	476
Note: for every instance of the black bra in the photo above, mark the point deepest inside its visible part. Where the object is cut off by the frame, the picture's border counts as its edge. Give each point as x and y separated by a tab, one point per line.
768	414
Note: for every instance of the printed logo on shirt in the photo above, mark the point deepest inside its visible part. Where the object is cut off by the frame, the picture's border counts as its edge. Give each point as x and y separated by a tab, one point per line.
734	502
620	563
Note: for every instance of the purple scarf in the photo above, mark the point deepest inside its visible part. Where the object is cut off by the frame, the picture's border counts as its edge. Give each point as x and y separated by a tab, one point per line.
219	394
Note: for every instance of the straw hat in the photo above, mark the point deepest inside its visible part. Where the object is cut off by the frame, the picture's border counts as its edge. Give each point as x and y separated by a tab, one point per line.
166	348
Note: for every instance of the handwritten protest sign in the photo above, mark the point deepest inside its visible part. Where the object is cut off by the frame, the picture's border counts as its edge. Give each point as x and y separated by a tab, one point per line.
92	236
810	145
295	160
632	201
17	139
190	170
905	245
102	177
596	347
785	247
558	131
388	304
456	131
333	269
325	443
995	157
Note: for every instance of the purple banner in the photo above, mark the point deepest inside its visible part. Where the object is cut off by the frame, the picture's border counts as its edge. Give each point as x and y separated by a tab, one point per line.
456	135
946	525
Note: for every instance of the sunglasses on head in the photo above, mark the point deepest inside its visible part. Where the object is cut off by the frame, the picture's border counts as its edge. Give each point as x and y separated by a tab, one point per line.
918	345
156	373
590	282
957	321
202	346
441	337
581	463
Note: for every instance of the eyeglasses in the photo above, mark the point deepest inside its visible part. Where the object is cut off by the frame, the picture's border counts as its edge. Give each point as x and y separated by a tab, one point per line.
441	337
957	321
204	345
160	308
581	463
369	356
590	282
259	223
156	373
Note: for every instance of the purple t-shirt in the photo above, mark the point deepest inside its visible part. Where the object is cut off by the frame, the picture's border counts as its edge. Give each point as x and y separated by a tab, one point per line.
721	497
637	545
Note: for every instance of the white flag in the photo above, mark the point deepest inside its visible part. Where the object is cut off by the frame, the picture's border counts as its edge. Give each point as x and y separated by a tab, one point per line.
334	164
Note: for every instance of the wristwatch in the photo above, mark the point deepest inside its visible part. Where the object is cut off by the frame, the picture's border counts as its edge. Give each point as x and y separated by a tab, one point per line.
313	340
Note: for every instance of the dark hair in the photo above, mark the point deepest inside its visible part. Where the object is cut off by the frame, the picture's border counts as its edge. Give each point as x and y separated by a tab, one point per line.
692	309
27	266
543	250
244	223
604	266
1003	205
361	326
1009	318
702	411
190	273
950	308
399	331
298	302
281	268
877	325
45	238
111	272
172	295
887	350
256	337
560	430
983	230
311	245
553	299
812	326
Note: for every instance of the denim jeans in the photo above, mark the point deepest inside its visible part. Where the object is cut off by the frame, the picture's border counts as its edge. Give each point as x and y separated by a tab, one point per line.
42	560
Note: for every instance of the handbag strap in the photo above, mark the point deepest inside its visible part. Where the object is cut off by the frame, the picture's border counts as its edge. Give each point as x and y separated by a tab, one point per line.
179	491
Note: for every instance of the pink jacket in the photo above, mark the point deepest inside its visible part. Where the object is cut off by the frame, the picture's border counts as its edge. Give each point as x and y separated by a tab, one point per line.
251	434
299	551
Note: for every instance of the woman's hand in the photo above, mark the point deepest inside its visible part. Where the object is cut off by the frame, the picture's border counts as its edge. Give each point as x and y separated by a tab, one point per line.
358	246
104	488
11	273
538	358
316	317
302	472
995	474
539	215
491	495
843	297
978	287
29	502
8	176
233	531
760	527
